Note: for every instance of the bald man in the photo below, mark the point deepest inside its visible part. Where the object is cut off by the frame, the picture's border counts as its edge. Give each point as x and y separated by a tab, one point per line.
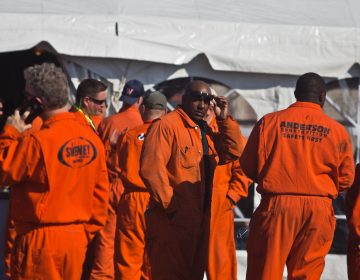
301	160
177	165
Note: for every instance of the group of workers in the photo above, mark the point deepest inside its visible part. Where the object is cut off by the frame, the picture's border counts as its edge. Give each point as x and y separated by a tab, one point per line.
147	194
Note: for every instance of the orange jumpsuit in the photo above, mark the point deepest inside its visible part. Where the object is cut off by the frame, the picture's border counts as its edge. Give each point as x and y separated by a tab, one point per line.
10	234
172	167
130	259
91	122
60	198
103	267
353	217
229	180
301	159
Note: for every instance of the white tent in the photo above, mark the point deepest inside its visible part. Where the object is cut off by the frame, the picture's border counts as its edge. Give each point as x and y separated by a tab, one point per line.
256	48
246	44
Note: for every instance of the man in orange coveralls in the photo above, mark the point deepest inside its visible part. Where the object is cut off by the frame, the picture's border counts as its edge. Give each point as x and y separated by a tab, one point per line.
91	102
177	165
127	118
229	185
301	159
59	182
130	260
353	217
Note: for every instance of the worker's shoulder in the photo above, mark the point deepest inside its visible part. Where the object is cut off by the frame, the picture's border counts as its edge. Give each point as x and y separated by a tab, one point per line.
168	121
134	132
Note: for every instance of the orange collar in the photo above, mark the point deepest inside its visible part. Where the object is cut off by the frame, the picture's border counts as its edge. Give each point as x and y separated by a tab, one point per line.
310	105
185	117
59	117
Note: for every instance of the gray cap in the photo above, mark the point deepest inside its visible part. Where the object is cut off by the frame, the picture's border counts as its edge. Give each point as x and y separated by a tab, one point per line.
155	100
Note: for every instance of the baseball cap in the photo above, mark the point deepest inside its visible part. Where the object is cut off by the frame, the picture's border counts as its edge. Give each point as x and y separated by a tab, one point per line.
132	90
155	100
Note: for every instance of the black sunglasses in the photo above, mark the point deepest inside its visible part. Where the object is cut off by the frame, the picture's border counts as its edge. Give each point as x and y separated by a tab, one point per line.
201	95
97	101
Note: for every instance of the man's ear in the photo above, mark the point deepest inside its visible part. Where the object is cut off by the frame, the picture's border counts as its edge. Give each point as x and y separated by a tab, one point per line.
39	100
140	100
322	98
84	102
142	109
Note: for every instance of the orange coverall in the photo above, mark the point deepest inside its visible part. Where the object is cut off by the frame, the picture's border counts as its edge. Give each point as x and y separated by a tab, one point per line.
172	168
10	233
229	182
103	267
301	159
130	259
353	217
55	172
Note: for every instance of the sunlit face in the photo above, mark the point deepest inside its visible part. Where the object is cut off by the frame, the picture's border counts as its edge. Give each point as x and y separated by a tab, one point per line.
95	106
197	101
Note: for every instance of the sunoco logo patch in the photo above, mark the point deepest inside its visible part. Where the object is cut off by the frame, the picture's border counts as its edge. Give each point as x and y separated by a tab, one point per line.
77	152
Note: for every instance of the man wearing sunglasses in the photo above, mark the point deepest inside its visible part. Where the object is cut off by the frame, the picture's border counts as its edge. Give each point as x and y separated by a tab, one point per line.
177	165
91	102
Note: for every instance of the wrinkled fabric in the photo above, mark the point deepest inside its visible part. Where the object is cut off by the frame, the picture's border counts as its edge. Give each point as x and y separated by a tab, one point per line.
229	182
10	233
130	256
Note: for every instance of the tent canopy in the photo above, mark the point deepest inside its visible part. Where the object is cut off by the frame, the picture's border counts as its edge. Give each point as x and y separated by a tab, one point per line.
252	36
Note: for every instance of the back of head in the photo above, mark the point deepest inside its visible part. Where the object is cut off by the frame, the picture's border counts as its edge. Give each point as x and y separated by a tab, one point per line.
89	87
132	91
155	105
50	83
310	87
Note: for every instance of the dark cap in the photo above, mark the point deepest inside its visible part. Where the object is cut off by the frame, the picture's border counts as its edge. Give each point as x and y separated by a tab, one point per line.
155	100
132	90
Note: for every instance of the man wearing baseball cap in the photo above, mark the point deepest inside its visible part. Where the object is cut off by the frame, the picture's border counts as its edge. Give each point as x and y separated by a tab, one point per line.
109	129
130	257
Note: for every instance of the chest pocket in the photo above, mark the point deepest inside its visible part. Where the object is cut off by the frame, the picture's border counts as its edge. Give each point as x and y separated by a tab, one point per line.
188	156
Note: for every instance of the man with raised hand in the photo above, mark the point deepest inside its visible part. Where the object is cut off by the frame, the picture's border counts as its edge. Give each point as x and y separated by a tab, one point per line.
177	165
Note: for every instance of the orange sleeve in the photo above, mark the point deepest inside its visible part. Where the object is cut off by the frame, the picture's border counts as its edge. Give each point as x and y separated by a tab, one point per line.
19	156
239	183
353	205
228	141
346	168
249	157
154	158
100	200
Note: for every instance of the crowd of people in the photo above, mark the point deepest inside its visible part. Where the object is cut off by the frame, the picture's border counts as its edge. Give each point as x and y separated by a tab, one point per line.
149	194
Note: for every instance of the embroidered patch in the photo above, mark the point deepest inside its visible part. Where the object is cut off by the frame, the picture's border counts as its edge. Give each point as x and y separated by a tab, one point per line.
141	136
77	152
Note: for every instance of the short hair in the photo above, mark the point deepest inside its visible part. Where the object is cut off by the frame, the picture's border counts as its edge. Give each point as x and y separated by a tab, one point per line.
309	86
89	87
50	83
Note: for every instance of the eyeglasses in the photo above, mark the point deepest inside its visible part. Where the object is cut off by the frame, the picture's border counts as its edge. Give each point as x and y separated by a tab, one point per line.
97	101
201	95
